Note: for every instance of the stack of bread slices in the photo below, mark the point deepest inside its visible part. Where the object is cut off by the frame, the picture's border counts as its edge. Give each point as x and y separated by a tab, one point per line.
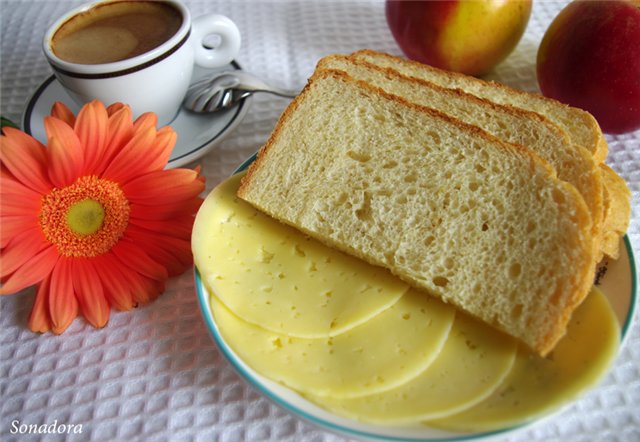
493	199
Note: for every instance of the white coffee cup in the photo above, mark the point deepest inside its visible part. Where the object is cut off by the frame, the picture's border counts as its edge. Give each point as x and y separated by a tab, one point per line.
154	81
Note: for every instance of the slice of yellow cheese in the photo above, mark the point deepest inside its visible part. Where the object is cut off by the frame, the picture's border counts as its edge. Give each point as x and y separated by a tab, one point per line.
537	386
472	364
272	275
386	351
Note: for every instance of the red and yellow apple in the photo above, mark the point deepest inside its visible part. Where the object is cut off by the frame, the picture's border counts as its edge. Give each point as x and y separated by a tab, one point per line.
589	58
464	36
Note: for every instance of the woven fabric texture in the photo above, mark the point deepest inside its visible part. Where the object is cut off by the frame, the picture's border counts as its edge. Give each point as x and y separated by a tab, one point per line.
155	373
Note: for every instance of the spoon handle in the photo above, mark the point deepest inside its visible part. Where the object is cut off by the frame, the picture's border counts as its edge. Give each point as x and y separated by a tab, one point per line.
249	82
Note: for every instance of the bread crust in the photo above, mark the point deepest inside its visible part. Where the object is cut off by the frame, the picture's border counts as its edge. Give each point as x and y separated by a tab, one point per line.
592	139
618	211
248	178
328	73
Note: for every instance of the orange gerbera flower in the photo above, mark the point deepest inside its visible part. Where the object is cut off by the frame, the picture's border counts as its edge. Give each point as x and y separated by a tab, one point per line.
93	219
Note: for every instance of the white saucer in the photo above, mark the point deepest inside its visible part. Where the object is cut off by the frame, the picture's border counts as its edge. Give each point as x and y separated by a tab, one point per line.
197	133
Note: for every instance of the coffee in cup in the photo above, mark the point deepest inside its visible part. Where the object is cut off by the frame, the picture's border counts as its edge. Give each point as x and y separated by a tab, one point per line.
115	31
139	53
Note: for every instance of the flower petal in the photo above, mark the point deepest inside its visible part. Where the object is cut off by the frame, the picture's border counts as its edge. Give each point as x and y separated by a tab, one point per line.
173	253
90	293
126	163
164	211
66	155
14	206
174	185
21	249
63	305
18	199
37	269
39	318
60	111
11	195
10	186
91	128
131	254
178	227
65	164
162	148
119	132
146	289
13	226
25	158
56	128
141	288
145	121
116	290
115	107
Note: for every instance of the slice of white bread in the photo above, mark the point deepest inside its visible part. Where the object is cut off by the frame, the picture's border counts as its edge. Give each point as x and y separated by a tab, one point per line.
573	163
617	211
480	223
617	214
580	126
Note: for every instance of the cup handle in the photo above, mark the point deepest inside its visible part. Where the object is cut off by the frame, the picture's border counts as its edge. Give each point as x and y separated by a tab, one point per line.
226	51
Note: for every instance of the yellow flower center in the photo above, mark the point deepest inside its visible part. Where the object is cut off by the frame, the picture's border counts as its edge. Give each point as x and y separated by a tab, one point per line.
86	218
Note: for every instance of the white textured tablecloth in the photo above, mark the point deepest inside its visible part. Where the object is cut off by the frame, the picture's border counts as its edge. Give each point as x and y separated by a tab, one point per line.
155	373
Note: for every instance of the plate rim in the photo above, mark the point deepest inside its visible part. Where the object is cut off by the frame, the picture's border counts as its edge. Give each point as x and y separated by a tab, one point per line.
194	153
207	315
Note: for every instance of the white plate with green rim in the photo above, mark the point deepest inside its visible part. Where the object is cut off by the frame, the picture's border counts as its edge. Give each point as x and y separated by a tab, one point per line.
616	279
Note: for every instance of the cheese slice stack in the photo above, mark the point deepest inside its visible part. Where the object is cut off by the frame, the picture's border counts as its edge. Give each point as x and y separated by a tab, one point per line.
473	362
386	351
538	386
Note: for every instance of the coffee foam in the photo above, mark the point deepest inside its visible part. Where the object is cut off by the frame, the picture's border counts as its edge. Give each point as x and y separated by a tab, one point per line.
87	46
115	31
